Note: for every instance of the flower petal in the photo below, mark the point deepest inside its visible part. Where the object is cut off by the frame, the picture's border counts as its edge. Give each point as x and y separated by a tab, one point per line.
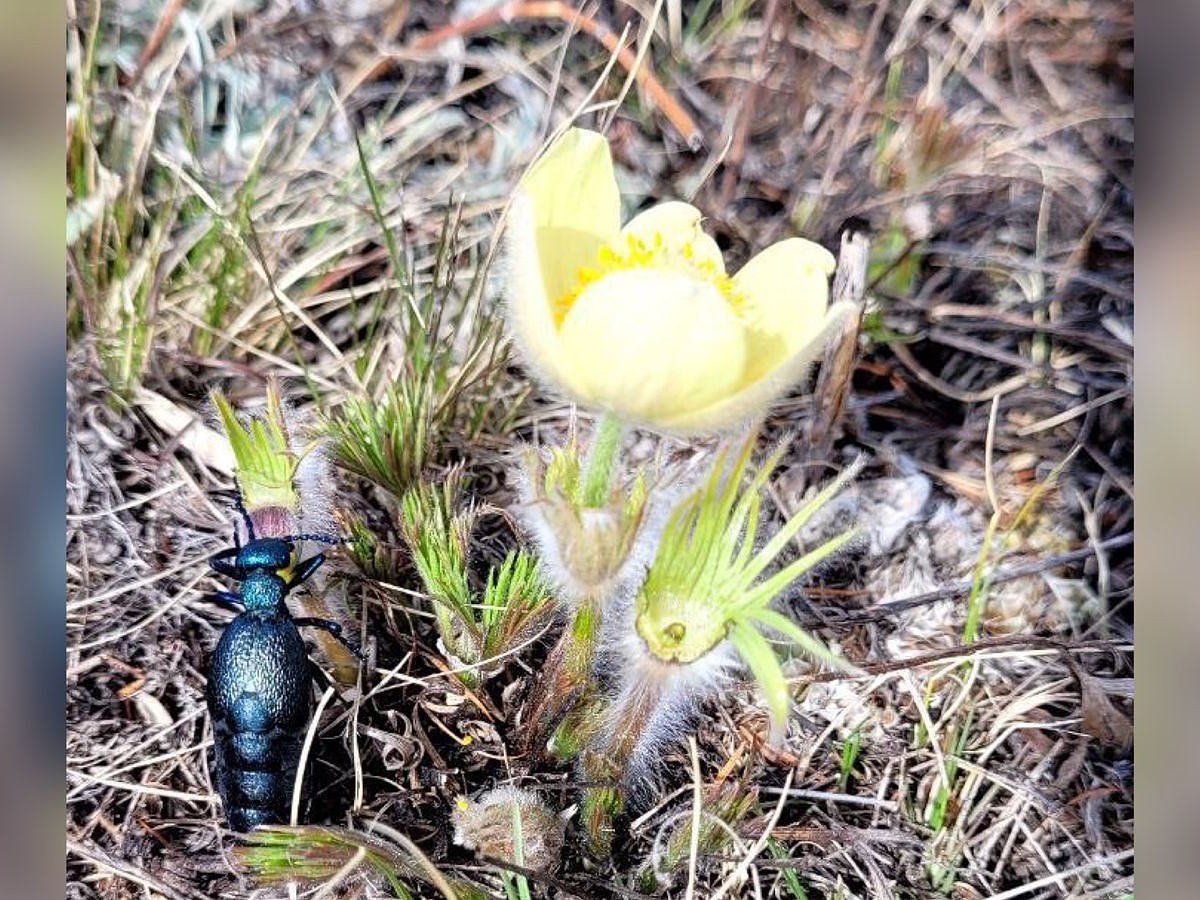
576	206
753	399
530	315
784	291
677	226
652	344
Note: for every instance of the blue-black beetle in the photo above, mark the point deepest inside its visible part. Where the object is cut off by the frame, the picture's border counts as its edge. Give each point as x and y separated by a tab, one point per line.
260	679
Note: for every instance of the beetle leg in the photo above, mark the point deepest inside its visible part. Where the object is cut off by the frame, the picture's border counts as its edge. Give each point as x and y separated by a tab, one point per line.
333	628
304	570
228	599
221	563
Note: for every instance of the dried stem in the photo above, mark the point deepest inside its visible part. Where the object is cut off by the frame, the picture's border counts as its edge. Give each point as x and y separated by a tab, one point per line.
563	12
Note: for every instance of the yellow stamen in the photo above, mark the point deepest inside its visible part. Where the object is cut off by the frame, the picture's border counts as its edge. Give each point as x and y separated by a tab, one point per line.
637	254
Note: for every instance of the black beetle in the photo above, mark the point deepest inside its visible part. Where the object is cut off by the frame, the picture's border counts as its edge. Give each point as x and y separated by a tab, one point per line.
260	679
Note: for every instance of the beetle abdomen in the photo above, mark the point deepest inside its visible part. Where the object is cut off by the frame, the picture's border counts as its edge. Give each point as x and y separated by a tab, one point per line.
260	698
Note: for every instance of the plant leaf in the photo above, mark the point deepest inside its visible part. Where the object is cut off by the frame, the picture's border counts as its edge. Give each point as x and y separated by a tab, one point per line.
756	652
765	592
802	638
782	537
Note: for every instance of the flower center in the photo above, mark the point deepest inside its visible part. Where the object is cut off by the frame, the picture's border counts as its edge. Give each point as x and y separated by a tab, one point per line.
635	252
679	628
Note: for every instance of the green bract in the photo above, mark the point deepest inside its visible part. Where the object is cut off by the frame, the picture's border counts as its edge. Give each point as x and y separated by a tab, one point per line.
266	463
706	586
587	543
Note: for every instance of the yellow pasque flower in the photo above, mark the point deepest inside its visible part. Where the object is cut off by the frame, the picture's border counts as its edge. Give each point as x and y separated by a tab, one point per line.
643	321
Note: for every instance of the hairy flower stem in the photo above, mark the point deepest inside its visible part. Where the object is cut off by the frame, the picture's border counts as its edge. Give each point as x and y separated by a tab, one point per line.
624	725
580	724
602	461
568	669
564	679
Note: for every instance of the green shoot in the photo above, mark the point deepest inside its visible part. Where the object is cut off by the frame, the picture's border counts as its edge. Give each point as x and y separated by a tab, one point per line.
515	602
606	446
704	585
369	554
981	582
277	855
891	97
517	886
389	438
850	752
895	265
266	463
790	878
938	812
438	537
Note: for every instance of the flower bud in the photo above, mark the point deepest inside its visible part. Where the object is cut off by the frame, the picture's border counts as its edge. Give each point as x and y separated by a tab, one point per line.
490	826
283	485
589	552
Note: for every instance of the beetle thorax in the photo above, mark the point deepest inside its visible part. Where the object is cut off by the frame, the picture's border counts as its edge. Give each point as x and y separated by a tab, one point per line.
263	591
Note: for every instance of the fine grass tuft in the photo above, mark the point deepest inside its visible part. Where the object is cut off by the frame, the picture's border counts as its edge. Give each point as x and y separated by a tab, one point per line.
451	350
515	601
437	534
850	753
278	855
369	553
387	438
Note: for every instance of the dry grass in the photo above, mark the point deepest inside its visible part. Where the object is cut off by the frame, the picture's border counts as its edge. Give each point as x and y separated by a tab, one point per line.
226	233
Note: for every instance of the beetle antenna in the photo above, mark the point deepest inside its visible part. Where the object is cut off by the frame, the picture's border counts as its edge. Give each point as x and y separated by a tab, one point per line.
241	508
319	538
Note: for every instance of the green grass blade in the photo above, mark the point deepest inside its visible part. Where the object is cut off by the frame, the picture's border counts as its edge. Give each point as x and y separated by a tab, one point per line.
758	655
809	644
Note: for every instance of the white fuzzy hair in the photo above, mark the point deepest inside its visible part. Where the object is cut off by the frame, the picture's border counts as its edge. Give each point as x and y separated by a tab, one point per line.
658	700
632	570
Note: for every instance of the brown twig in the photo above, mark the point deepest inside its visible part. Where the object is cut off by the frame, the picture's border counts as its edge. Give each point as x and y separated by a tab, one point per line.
745	115
823	835
837	371
679	118
161	29
864	89
380	65
1007	642
883	610
902	353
